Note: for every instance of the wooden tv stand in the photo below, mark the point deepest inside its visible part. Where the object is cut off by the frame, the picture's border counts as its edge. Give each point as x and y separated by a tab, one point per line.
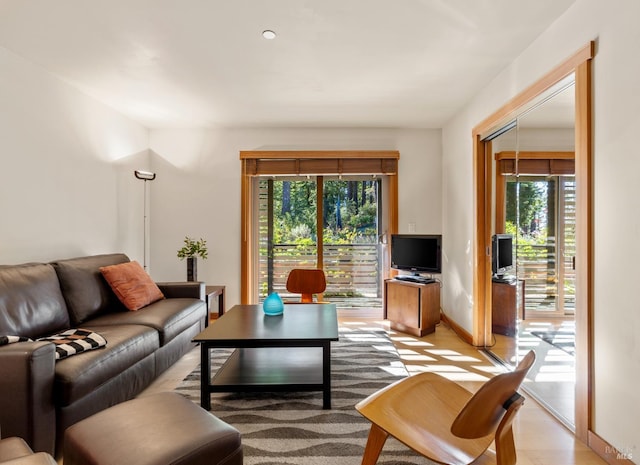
506	307
412	308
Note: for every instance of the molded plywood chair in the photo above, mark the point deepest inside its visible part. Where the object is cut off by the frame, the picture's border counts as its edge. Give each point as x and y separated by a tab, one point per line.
306	282
441	420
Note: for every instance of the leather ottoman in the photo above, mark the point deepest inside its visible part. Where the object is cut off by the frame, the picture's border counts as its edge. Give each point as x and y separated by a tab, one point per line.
160	429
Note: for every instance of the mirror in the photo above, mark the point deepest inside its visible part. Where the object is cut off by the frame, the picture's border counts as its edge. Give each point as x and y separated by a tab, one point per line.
575	69
533	300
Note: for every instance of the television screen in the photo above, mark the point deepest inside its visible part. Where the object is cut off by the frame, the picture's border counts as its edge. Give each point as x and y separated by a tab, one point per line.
501	253
416	252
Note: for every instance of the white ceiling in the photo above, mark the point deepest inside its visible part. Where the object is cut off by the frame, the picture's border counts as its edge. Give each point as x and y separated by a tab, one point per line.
334	63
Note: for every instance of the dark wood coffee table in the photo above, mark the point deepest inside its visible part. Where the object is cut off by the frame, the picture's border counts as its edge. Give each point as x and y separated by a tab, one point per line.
289	352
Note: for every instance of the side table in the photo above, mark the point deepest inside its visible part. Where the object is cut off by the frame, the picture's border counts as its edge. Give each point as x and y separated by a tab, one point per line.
211	292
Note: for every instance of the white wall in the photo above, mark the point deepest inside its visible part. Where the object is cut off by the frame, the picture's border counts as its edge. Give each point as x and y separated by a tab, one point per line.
617	224
536	140
197	192
66	182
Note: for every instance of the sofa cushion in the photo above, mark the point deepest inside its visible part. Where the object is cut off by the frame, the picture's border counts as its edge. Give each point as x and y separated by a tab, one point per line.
85	290
78	376
31	304
169	317
131	283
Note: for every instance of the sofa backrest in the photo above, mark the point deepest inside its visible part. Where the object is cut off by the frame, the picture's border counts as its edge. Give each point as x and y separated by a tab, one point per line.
31	303
85	291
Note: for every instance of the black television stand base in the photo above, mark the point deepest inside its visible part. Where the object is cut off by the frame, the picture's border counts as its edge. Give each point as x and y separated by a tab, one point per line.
415	279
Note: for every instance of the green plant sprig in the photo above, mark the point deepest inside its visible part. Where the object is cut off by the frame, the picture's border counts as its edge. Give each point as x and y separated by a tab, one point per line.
193	248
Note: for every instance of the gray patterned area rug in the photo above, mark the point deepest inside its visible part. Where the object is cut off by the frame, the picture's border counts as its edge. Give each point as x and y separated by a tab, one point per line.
293	429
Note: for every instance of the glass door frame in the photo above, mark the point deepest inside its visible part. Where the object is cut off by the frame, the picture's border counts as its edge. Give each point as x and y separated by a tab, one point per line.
303	163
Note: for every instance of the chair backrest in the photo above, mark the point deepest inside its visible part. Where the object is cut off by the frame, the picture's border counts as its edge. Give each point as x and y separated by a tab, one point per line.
484	411
306	282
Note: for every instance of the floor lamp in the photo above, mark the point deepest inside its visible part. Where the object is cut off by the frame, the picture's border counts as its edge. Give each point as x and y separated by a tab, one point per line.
145	176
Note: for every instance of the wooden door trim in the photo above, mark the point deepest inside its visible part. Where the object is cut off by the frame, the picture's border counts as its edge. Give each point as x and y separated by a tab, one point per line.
580	65
584	250
516	105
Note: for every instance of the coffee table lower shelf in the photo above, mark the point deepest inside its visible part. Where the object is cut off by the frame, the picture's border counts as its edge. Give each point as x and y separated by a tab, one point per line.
272	369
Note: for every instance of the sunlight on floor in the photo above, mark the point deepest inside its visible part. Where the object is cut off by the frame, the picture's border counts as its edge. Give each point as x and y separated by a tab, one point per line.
540	438
421	356
412	355
493	369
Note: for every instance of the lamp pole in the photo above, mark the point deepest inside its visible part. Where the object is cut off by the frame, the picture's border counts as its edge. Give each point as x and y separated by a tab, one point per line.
145	176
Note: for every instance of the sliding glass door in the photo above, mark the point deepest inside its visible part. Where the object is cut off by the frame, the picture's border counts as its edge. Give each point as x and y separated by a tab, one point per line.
541	212
328	223
345	226
352	255
287	231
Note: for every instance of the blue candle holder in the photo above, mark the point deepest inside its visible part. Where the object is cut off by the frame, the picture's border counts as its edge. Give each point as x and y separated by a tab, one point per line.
273	305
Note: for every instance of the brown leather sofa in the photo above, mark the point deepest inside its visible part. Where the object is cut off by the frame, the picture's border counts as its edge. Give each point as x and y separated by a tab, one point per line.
39	397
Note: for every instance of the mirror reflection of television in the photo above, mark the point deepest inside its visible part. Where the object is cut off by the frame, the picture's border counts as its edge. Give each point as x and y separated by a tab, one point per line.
501	255
417	253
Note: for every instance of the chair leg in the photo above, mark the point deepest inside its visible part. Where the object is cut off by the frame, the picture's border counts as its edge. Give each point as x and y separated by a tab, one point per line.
505	444
375	442
505	447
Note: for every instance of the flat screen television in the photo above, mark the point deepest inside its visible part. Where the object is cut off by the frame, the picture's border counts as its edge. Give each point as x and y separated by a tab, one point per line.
501	254
418	253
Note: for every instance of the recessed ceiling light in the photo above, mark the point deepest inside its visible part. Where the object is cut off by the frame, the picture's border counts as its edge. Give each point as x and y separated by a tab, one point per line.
268	34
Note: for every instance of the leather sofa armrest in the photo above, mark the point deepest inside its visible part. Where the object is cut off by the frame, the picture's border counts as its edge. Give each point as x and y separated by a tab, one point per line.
34	459
12	448
27	410
183	289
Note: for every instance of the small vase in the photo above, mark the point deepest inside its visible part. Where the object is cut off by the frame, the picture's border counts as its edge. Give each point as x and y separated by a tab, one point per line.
273	305
192	269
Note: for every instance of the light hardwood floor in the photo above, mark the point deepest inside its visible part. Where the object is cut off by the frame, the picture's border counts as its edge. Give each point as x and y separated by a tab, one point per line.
552	378
540	438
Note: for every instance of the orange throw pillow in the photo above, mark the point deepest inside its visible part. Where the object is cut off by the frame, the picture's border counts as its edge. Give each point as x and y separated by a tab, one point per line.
133	286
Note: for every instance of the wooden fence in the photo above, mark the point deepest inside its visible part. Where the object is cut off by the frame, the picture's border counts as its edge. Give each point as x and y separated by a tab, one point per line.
537	266
352	270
